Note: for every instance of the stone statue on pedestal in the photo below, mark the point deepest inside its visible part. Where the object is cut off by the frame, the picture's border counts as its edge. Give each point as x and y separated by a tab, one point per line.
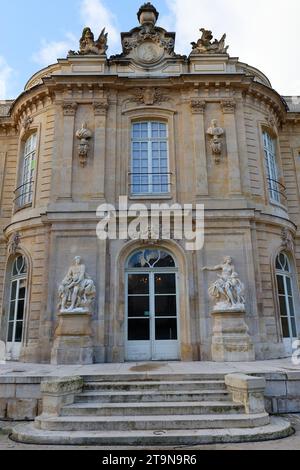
228	291
77	291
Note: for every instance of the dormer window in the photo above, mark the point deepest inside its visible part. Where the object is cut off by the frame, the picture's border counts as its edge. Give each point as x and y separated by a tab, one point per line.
150	160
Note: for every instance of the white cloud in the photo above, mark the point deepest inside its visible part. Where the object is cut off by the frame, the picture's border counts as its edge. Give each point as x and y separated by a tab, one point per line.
51	51
95	15
5	76
264	34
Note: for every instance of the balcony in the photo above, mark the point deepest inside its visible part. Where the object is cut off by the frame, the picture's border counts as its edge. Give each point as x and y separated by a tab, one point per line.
23	196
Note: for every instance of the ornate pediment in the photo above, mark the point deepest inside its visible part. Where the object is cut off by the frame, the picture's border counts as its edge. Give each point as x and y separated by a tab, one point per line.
147	44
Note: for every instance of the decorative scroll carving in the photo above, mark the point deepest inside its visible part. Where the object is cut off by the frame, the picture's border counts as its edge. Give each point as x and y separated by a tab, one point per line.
205	44
198	106
14	243
227	291
287	240
77	291
149	96
69	109
216	133
88	45
100	108
228	106
84	135
27	123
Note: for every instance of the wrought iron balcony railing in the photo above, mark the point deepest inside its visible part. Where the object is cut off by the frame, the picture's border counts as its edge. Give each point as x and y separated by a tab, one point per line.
23	195
150	183
277	191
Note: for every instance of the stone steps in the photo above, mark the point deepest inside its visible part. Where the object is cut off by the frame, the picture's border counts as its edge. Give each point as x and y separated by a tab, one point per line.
153	409
151	423
277	429
163	385
152	396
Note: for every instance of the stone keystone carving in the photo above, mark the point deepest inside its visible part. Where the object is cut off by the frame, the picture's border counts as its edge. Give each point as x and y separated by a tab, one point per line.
228	291
287	241
88	45
84	135
205	45
216	133
149	96
14	243
77	291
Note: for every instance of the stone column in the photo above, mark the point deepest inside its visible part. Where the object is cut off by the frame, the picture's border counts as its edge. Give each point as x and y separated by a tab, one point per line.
198	110
66	166
100	111
235	188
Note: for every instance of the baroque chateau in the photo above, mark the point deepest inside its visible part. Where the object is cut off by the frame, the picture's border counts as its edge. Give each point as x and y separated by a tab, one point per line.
158	128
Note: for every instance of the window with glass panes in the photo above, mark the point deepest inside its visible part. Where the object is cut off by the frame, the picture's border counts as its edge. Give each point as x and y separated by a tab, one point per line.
29	162
150	160
17	300
271	165
285	296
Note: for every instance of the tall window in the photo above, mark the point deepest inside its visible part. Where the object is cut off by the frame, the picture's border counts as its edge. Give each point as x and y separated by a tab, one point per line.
286	298
25	191
271	165
150	161
17	305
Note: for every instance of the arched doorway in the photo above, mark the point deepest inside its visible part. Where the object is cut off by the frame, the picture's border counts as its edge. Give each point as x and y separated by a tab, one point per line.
152	327
286	300
17	305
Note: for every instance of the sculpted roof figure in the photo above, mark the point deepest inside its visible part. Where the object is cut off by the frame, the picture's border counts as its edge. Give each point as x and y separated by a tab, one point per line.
204	45
88	45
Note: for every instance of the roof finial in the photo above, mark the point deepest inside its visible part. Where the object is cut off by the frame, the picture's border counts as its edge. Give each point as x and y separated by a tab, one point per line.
147	14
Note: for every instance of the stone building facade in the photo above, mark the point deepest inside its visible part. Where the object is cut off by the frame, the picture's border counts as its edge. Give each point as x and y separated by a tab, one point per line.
156	127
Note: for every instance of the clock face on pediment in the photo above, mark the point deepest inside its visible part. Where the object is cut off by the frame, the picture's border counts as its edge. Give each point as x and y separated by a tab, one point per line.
149	52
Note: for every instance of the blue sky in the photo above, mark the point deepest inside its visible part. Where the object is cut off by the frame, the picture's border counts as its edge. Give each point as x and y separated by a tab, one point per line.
264	33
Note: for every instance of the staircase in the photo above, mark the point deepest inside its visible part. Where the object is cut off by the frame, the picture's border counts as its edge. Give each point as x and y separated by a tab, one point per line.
152	411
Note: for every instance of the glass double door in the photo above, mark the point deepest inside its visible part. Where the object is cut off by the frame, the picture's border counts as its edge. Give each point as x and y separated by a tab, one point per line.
152	316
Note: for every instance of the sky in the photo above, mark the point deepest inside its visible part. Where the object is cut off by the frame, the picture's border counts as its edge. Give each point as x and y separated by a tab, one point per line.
262	33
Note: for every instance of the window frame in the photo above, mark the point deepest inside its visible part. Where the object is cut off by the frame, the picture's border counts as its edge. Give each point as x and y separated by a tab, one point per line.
271	165
25	199
285	275
150	174
17	279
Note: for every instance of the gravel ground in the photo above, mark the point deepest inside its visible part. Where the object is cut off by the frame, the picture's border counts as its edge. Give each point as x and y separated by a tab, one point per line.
290	443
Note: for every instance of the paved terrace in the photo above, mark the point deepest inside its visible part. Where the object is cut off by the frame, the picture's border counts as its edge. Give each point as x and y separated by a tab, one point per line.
282	366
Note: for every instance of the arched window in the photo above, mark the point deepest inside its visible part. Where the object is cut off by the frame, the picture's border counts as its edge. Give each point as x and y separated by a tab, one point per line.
271	166
285	290
25	190
17	303
150	172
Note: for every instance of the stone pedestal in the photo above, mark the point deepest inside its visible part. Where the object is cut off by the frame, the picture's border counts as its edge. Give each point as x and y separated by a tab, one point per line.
231	341
73	339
